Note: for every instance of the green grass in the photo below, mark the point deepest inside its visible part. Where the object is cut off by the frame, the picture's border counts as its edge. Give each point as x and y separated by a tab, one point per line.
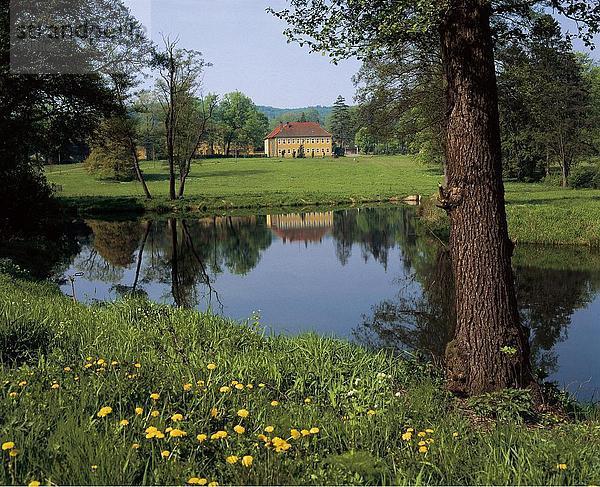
537	213
90	353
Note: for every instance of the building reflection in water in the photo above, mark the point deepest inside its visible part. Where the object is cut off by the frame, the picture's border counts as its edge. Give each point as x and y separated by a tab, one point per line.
301	227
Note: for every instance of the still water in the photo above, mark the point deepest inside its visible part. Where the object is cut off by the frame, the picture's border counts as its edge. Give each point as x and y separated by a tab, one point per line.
372	275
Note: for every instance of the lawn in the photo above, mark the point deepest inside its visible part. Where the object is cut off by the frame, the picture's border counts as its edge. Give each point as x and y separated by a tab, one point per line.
136	393
537	213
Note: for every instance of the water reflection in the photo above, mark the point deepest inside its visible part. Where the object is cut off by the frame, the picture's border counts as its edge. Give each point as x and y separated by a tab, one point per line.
371	274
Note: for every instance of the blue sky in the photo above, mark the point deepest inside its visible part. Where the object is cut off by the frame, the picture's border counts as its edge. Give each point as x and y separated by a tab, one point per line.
249	52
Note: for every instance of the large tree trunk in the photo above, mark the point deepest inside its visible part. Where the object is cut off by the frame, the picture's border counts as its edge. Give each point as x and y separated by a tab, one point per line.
487	318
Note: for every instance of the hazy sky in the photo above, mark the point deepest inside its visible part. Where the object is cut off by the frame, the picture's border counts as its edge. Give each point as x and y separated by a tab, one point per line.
249	52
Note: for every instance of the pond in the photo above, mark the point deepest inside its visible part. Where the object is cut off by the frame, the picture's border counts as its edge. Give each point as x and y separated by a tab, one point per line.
373	275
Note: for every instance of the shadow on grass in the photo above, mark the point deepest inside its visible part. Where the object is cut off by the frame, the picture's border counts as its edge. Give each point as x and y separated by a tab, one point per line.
99	205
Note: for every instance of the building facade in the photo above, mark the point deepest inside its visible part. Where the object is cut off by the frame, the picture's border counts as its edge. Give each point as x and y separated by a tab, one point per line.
299	139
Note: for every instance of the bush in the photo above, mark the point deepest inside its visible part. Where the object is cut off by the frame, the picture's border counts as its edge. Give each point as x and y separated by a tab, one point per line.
108	164
585	177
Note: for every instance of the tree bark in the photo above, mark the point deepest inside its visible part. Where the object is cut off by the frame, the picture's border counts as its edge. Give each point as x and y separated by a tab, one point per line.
487	319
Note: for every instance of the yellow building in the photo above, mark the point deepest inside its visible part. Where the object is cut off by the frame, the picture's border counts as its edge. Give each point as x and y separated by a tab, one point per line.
299	139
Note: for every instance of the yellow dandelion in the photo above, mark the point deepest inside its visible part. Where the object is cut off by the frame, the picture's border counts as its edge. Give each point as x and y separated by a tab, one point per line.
165	453
177	433
218	435
13	394
422	443
94	468
211	366
8	445
247	461
139	410
201	437
269	429
410	430
54	386
187	387
234	382
13	453
240	430
105	411
421	434
177	417
135	446
197	481
200	383
67	369
137	365
370	412
100	362
561	466
295	434
314	431
168	430
89	359
274	403
155	414
231	459
114	362
262	437
304	432
407	436
308	400
213	484
214	412
249	386
124	422
154	396
23	383
422	449
261	385
87	366
428	430
455	434
225	389
239	387
243	413
34	483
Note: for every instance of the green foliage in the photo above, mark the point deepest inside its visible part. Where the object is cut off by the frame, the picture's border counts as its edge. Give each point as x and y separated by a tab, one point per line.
585	176
23	341
505	405
111	156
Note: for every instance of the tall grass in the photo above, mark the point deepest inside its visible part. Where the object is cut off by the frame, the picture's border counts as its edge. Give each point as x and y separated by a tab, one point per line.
363	403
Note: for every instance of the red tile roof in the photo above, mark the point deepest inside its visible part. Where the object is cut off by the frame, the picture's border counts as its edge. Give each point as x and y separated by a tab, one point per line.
298	129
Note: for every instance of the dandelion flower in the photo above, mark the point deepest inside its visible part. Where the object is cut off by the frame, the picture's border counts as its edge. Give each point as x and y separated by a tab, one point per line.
23	383
421	434
100	362
211	366
168	430
243	413
561	466
218	435
54	386
114	362
201	437
261	385
177	417
200	383
407	436
197	481
214	412
269	429
105	411
370	412
94	468
124	422
34	483
240	430
274	403
231	459
314	431
154	396
213	484
155	414
8	445
67	369
139	410
422	449
165	453
305	432
247	461
262	437
13	453
177	433
422	443
13	394
135	446
455	434
295	434
187	387
239	387
225	389
249	386
428	430
137	365
308	400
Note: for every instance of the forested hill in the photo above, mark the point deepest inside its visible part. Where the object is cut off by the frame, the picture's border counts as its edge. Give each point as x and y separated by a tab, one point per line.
276	113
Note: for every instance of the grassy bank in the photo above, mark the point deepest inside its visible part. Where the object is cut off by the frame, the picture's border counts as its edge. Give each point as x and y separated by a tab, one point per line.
72	378
537	213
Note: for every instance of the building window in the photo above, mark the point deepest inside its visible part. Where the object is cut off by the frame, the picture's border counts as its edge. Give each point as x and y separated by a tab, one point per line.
322	141
289	150
312	141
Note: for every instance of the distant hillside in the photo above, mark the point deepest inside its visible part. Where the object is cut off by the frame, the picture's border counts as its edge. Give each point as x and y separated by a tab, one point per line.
274	113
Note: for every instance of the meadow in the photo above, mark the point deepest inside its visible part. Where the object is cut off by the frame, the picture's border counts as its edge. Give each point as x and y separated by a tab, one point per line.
137	393
537	213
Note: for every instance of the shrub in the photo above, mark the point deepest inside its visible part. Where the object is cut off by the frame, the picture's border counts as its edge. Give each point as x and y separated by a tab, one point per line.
585	177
